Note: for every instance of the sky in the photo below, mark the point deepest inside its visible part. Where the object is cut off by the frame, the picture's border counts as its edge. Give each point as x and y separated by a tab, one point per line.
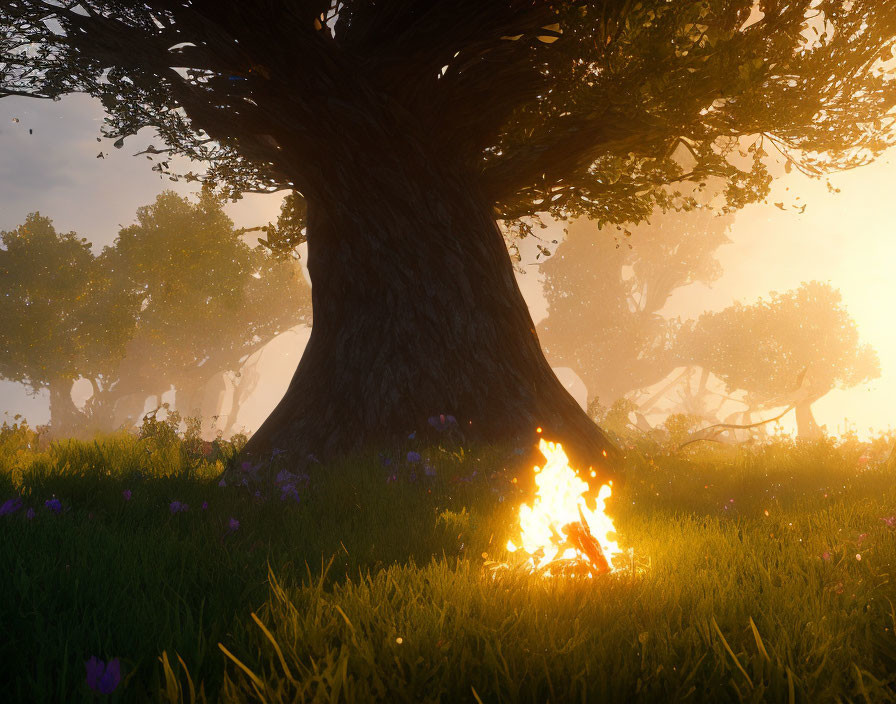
49	164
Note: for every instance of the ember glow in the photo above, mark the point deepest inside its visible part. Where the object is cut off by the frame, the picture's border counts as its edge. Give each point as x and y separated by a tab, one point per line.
559	532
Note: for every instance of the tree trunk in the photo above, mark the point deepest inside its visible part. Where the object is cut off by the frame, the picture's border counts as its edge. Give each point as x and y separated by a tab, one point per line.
65	418
806	427
416	313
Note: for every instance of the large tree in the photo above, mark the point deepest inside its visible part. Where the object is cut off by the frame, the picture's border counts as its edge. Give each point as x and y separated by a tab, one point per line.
409	126
605	296
789	349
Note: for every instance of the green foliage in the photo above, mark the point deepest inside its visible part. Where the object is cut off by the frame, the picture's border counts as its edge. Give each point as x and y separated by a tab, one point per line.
605	295
803	338
748	585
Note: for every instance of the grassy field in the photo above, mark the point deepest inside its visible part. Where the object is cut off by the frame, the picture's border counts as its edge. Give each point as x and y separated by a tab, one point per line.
754	575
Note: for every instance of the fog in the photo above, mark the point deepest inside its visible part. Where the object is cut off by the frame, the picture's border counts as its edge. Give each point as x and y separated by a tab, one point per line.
50	164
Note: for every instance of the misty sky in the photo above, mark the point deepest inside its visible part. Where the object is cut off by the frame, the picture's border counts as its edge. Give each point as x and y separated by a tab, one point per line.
846	239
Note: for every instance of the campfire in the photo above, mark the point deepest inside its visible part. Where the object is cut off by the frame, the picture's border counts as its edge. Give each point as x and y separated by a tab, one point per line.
559	533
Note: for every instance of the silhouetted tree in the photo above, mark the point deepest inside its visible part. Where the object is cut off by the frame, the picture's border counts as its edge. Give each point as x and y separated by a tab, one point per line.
789	349
408	126
605	295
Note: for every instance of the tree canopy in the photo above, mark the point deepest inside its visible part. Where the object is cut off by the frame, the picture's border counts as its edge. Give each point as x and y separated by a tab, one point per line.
601	108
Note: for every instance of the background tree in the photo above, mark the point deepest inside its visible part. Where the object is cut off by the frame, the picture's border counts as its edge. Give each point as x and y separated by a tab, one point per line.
207	302
59	316
605	295
408	126
791	348
177	301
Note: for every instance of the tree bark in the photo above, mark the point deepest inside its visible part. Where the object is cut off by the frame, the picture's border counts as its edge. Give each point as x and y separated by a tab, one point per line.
416	313
806	427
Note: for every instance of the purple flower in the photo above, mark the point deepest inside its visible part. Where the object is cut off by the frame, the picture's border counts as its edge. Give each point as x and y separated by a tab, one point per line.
284	477
277	451
177	507
10	506
412	435
414	456
233	524
126	494
289	491
204	506
429	470
29	514
103	678
222	483
54	504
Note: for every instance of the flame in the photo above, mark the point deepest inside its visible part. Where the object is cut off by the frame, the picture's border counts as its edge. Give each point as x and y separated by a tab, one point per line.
559	530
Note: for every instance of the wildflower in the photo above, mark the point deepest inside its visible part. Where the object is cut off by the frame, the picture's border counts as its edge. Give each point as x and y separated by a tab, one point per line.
412	436
392	478
825	556
54	504
177	507
890	521
103	678
233	524
385	461
429	470
289	491
126	494
414	456
858	557
204	506
277	451
222	483
10	506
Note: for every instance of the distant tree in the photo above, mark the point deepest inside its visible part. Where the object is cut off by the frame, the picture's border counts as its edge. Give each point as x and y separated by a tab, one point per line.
789	349
605	295
409	126
207	301
60	317
176	301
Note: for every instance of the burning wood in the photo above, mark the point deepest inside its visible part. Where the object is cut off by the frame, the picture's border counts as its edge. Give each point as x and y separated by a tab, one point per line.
559	533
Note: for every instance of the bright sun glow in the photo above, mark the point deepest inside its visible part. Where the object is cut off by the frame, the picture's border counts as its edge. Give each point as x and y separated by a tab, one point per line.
559	531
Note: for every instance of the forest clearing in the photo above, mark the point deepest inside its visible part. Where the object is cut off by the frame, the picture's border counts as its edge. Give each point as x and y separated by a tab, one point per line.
749	575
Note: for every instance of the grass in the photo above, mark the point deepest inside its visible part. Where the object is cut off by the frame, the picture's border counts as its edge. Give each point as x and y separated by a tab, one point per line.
761	575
